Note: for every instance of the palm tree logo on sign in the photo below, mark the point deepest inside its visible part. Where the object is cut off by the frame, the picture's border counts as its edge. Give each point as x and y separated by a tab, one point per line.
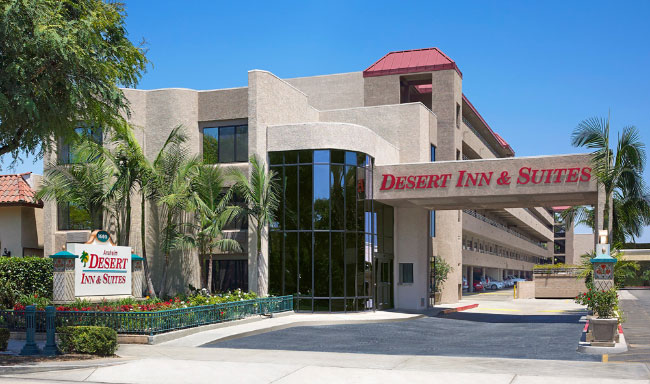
84	257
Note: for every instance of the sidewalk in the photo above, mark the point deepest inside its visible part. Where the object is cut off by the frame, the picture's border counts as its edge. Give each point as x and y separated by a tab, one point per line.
160	364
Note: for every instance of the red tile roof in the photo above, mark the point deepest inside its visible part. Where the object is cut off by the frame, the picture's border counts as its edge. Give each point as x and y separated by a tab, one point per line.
14	190
498	138
411	61
424	88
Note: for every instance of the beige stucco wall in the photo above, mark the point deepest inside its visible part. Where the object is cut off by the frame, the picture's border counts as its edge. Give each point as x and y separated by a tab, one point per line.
583	243
10	230
341	90
558	286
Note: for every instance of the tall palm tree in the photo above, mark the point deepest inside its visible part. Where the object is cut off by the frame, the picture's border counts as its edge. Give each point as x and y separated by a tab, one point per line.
132	176
618	170
170	185
261	193
213	212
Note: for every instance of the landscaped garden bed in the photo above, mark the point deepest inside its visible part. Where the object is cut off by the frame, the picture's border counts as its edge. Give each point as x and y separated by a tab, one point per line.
152	316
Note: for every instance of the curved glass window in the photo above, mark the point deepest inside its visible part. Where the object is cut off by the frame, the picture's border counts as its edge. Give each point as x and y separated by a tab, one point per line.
322	243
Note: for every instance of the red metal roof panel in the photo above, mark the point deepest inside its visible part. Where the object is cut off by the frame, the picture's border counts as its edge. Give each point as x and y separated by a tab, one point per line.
411	61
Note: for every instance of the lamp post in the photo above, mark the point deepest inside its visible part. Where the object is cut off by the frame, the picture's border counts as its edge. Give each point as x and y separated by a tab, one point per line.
603	264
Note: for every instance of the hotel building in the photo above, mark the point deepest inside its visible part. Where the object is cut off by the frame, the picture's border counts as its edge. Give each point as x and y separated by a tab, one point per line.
334	244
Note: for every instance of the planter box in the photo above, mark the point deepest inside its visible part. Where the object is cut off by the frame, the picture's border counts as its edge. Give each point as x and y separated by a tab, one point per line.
603	330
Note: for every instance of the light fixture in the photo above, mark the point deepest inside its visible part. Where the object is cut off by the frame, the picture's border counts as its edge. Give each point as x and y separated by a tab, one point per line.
602	236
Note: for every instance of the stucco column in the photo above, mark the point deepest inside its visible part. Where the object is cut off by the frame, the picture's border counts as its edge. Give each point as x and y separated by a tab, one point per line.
137	276
470	278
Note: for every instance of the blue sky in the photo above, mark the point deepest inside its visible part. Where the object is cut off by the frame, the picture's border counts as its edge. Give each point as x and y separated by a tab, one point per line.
533	69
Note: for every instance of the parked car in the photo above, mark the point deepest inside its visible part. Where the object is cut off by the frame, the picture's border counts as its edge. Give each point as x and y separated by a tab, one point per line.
509	283
477	286
465	285
496	284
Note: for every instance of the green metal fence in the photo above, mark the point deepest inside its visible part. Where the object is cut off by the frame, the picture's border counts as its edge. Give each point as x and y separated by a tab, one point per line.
151	323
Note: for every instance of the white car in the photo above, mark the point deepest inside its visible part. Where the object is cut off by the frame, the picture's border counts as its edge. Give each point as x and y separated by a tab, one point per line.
495	284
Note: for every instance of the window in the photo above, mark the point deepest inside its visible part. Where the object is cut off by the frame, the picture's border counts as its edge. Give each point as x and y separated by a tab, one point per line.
458	154
228	144
240	222
433	153
406	273
66	152
71	217
457	115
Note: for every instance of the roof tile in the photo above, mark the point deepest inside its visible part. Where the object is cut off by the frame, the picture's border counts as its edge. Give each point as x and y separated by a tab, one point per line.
14	190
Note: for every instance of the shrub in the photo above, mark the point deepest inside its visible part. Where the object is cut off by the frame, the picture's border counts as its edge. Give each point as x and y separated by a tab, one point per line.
603	303
7	294
4	339
100	341
39	301
30	275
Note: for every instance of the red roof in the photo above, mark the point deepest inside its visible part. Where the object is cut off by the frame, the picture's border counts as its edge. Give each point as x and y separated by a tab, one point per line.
498	138
14	190
424	88
561	208
411	61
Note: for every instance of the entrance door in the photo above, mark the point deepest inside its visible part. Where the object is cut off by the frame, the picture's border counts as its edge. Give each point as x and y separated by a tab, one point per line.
384	282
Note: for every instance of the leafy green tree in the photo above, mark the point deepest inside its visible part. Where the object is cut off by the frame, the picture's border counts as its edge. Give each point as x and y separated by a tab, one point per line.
620	171
213	211
261	192
62	63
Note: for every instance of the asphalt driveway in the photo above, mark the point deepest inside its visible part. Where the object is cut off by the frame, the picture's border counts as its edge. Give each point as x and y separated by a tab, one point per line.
553	337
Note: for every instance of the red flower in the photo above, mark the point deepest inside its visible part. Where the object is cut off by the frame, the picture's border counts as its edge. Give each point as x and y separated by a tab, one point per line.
35	296
588	298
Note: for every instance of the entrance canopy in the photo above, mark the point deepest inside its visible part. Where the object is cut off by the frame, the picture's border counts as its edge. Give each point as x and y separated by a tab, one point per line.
540	181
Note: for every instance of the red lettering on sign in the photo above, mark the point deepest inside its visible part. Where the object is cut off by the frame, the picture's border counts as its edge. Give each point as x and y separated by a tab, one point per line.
586	174
385	180
524	175
572	175
400	182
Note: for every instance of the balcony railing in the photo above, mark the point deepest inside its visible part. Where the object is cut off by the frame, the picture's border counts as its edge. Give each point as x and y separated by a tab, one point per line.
480	137
496	224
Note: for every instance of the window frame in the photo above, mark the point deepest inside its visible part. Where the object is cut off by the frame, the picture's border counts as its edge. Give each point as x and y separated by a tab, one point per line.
239	128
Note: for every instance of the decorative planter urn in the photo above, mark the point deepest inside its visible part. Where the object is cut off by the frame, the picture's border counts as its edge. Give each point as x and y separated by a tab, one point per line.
603	330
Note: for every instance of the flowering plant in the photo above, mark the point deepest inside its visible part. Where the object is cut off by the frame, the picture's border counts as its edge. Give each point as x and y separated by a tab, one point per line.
603	303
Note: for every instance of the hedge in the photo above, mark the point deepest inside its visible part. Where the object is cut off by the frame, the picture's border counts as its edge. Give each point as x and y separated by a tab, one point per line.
28	275
4	339
100	341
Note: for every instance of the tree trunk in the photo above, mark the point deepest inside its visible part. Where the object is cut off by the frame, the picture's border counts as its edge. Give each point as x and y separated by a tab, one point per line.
209	283
143	237
261	267
163	283
127	224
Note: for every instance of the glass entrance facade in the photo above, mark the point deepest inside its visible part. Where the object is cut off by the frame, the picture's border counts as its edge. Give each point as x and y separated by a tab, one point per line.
322	243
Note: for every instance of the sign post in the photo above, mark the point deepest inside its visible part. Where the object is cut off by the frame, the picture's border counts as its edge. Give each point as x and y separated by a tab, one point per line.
603	264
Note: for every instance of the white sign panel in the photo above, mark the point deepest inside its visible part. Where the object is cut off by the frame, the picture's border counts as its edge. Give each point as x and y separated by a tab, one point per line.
101	270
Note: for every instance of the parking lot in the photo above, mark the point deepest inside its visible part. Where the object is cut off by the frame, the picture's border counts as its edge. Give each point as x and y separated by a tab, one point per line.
548	329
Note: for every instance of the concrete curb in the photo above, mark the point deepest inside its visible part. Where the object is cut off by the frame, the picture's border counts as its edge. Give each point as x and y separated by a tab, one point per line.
20	369
169	336
457	309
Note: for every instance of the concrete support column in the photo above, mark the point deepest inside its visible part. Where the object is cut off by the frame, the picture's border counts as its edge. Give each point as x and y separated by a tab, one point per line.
470	278
483	272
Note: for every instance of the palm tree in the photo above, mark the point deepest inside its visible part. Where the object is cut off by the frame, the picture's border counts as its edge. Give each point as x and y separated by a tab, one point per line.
213	212
262	195
619	171
170	185
133	175
84	184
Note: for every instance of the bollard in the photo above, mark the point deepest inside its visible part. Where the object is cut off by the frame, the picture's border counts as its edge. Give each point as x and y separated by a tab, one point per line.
50	326
30	347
